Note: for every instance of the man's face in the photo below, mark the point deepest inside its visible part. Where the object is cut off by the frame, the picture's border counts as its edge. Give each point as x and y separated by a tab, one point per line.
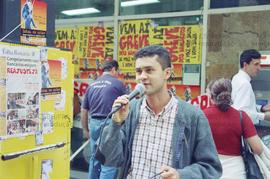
150	73
253	67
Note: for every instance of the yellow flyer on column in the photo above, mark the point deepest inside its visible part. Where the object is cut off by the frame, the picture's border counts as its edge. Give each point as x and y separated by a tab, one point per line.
57	73
55	70
19	90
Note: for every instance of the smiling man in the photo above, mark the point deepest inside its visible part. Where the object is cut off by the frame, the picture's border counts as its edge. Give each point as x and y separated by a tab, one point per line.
242	93
158	134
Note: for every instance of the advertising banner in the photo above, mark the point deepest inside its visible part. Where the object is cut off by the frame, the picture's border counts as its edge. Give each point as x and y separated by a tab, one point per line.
20	87
33	22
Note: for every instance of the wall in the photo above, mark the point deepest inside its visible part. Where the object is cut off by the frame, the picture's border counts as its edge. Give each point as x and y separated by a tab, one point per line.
229	35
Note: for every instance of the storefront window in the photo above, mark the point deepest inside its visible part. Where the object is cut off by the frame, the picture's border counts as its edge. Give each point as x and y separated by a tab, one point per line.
159	6
236	3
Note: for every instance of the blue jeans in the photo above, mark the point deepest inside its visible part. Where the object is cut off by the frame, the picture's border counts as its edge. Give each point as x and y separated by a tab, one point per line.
96	169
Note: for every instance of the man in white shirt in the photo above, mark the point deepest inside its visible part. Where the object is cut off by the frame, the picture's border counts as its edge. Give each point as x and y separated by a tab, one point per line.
242	93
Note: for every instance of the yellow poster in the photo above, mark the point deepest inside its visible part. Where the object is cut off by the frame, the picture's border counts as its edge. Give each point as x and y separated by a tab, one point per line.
82	41
109	39
94	45
183	42
54	69
132	36
156	35
66	38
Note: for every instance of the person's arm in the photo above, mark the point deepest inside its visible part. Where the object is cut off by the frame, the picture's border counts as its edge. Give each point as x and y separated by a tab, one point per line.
250	134
113	139
242	101
267	116
255	144
205	162
265	108
84	121
84	115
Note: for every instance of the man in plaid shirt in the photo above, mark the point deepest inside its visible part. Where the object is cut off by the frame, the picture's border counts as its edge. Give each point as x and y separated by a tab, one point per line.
159	133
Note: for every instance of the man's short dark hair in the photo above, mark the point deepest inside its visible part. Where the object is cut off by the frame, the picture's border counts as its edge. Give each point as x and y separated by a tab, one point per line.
152	50
108	65
248	55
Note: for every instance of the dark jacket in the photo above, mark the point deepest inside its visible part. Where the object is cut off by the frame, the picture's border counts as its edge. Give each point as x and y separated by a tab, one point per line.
193	148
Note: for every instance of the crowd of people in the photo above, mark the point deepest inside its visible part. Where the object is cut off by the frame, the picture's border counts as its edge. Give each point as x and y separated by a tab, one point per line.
160	135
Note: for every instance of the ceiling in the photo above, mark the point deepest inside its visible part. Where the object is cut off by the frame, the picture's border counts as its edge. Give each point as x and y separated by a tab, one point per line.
105	6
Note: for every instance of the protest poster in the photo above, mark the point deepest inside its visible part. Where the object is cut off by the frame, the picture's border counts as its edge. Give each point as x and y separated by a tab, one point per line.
133	35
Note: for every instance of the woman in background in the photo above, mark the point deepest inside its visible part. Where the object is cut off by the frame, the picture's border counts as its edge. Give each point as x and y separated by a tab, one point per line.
226	129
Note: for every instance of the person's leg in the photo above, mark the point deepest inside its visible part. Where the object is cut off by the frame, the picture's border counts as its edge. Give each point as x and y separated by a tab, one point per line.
94	165
108	172
28	23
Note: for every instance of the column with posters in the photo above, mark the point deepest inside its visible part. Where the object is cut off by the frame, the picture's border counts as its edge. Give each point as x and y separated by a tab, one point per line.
25	110
57	74
20	87
33	22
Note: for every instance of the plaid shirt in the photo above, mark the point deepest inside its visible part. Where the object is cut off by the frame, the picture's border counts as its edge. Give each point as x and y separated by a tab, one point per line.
152	141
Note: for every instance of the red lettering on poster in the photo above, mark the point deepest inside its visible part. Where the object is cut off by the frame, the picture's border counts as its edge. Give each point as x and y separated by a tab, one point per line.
80	88
133	41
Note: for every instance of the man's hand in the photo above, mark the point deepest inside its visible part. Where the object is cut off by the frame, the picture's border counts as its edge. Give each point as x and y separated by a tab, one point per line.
122	113
266	108
267	116
169	173
86	134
